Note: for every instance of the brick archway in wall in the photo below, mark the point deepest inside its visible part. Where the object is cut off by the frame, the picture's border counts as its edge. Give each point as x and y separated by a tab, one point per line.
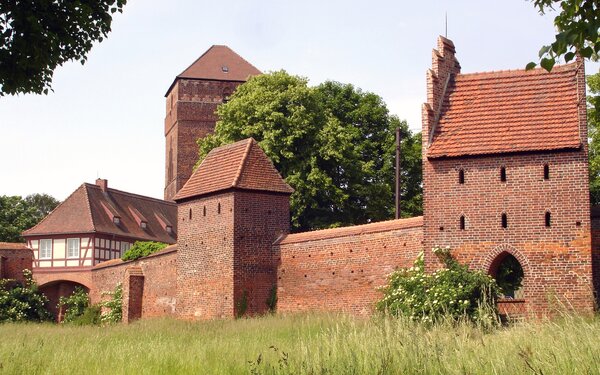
61	284
491	261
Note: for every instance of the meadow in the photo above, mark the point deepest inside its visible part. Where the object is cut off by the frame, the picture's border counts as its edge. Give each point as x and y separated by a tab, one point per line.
302	344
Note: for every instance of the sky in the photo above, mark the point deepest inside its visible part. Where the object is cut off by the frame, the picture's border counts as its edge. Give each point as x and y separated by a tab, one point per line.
106	118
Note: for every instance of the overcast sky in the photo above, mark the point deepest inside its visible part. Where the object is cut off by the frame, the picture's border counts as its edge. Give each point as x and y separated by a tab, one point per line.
105	118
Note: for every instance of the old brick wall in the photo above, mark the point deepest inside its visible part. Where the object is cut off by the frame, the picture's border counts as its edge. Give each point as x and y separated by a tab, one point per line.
556	260
159	281
596	251
260	218
14	258
190	115
340	269
205	265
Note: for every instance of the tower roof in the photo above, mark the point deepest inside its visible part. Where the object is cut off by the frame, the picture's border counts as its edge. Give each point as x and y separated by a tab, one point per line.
241	165
509	111
218	63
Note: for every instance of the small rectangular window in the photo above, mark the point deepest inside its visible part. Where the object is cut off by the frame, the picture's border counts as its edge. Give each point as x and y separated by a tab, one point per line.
462	223
45	249
504	221
461	176
548	219
503	174
125	246
73	248
546	172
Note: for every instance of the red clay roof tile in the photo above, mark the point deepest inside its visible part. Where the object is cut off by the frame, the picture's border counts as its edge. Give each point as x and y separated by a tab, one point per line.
241	165
509	111
13	246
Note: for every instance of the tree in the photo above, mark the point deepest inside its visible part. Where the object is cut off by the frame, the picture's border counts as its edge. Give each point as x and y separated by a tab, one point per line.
333	143
593	99
37	36
17	214
578	24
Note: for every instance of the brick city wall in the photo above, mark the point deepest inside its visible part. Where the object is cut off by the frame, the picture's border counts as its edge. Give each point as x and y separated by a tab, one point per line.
157	285
14	261
260	218
205	257
340	269
190	108
596	250
556	260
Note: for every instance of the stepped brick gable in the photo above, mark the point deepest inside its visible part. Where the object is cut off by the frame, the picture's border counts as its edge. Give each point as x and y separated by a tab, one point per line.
192	100
505	173
230	212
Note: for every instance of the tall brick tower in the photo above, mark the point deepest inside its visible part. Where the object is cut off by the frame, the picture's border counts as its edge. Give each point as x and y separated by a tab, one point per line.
192	100
230	212
505	177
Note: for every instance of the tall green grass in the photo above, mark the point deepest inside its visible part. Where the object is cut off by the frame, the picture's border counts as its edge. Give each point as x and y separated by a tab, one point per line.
302	344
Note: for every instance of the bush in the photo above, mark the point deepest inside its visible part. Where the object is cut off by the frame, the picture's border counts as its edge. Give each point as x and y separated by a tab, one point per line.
453	292
74	305
91	316
114	306
142	249
22	301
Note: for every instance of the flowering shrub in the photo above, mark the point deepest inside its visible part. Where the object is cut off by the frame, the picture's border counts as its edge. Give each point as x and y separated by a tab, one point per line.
113	308
454	291
22	301
74	305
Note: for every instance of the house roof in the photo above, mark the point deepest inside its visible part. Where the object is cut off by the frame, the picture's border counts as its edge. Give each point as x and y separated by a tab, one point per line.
356	230
509	111
90	209
241	165
219	63
13	246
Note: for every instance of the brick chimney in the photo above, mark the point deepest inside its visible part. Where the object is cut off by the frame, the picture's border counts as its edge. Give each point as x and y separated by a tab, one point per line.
443	66
103	183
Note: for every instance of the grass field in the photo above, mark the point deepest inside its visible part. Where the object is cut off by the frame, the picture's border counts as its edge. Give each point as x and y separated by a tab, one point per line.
302	344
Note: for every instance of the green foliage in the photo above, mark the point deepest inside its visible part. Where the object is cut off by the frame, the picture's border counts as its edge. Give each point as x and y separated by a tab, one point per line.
578	23
21	302
334	144
74	305
91	315
509	276
113	307
593	101
18	214
242	305
142	249
453	292
38	36
272	300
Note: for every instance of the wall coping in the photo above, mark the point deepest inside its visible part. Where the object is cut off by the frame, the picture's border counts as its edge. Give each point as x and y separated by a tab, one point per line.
118	262
355	230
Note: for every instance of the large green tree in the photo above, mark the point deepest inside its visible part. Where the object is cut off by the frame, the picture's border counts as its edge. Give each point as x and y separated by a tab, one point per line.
334	144
36	36
593	99
578	25
18	214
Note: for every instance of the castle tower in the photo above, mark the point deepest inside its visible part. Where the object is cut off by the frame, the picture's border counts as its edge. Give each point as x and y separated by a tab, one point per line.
230	213
505	178
192	100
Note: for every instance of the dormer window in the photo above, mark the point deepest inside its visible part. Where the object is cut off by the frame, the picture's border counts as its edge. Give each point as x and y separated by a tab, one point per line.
143	224
225	69
169	229
116	220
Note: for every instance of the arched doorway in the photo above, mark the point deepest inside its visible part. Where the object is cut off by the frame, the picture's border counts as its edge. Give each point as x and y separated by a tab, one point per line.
56	289
509	275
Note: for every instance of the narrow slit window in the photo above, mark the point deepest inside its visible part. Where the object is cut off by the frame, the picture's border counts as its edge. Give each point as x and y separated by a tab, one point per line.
462	222
504	221
503	174
548	219
461	176
546	172
219	208
190	215
204	211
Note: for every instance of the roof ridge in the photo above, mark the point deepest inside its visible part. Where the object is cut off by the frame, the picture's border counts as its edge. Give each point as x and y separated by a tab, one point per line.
561	67
243	163
55	208
112	190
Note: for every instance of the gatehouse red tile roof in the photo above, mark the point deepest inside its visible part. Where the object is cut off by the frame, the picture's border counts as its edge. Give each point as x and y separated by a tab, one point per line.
90	209
13	246
509	111
219	63
355	230
241	165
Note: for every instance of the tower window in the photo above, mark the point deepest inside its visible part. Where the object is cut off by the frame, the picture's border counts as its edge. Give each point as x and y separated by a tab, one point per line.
546	172
462	222
219	208
504	221
190	215
461	176
548	219
503	174
204	211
